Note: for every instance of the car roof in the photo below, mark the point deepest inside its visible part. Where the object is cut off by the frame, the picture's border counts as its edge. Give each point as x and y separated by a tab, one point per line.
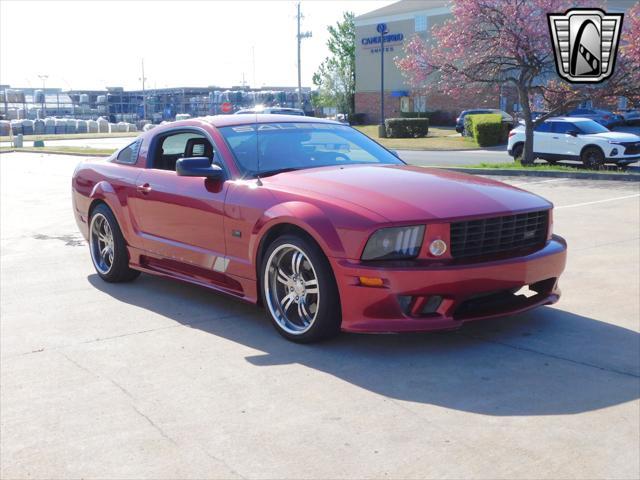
232	120
568	119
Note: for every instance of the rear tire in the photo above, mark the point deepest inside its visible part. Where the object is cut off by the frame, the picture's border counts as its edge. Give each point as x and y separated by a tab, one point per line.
517	151
108	247
592	157
299	290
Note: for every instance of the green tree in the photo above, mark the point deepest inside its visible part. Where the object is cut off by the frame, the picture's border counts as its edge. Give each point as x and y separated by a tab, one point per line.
336	75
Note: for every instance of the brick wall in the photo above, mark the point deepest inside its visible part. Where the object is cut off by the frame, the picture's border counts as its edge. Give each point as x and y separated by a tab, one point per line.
369	104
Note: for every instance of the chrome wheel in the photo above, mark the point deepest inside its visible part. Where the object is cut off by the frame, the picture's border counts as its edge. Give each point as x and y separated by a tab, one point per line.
101	243
291	289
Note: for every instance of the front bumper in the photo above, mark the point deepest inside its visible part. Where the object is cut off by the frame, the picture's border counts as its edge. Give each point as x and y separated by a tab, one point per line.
469	292
623	159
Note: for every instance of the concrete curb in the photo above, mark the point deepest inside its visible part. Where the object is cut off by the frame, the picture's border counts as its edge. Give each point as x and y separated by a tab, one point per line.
624	177
59	153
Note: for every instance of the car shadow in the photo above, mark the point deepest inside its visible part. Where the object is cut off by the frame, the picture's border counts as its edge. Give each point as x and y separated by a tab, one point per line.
545	362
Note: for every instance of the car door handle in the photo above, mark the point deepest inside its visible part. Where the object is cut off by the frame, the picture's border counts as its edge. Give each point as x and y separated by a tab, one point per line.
145	188
556	138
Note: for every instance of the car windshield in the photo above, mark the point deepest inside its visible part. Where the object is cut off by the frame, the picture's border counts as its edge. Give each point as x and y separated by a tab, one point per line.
589	127
296	146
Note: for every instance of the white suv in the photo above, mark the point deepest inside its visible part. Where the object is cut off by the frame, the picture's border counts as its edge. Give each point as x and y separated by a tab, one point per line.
573	138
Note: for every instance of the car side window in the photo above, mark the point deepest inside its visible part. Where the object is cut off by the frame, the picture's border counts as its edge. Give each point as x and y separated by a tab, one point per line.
563	127
181	145
544	127
129	154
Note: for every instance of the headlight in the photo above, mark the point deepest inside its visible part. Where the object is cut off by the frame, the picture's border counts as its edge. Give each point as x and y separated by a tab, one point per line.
394	243
614	142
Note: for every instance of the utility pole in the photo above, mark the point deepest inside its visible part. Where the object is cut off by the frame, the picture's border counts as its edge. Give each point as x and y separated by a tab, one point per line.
144	96
300	36
253	61
44	94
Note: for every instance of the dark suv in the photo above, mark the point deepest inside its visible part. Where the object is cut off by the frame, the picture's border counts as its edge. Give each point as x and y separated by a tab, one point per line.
460	120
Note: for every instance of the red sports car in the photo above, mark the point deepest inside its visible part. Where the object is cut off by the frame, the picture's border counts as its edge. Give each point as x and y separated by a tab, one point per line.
320	224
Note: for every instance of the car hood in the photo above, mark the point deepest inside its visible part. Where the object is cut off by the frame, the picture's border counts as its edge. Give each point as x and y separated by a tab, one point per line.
618	136
402	193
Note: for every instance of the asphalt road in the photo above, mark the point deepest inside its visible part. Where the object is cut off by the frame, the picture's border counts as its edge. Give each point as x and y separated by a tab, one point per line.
455	157
158	379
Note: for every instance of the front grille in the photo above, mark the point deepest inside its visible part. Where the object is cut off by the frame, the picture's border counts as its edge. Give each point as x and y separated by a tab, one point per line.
497	235
631	148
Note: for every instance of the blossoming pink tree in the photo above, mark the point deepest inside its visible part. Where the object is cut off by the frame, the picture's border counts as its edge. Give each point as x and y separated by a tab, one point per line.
489	43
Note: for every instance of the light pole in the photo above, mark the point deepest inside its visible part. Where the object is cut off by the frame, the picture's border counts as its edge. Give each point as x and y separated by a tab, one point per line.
300	36
144	96
382	30
44	94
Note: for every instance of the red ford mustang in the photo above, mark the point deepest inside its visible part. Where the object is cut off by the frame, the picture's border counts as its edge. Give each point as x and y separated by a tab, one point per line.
320	224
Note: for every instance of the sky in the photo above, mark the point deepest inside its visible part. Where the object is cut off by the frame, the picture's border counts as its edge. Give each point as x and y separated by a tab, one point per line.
94	44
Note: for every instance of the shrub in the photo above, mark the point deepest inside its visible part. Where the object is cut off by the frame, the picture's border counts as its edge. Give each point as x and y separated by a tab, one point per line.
436	117
487	129
406	127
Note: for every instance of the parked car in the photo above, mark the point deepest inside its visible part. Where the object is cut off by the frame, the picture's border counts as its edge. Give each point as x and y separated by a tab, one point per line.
575	138
460	120
603	117
534	115
271	110
317	222
631	116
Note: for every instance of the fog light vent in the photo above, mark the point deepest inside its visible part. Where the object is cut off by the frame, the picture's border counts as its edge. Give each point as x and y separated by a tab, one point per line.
431	305
405	302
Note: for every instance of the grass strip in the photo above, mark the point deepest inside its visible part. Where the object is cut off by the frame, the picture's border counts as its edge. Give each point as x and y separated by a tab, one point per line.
66	150
71	136
439	138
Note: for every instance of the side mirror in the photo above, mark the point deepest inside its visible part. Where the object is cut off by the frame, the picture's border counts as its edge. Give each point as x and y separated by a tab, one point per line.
573	133
199	167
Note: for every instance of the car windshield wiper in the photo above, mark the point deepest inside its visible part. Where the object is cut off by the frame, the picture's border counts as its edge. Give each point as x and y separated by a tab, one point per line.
267	173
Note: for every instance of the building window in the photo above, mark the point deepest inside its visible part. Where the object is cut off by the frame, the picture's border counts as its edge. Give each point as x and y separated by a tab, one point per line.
421	23
623	103
420	103
404	104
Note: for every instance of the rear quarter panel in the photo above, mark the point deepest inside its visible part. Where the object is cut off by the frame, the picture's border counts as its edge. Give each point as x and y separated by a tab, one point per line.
110	183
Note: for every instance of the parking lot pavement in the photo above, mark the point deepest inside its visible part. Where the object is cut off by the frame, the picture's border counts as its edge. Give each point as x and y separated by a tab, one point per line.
158	379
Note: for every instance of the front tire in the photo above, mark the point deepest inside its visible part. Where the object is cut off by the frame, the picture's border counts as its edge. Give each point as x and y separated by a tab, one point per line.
517	151
108	247
592	157
299	290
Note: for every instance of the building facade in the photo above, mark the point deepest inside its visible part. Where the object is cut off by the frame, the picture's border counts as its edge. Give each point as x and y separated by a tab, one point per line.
404	19
155	105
